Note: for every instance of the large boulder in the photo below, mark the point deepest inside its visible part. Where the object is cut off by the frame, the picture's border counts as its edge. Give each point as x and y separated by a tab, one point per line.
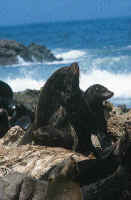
10	50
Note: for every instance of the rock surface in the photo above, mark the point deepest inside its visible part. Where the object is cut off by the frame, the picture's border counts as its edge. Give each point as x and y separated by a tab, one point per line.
10	50
34	161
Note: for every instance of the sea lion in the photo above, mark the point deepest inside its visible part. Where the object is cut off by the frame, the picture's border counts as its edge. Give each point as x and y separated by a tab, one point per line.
86	114
60	182
6	96
51	116
4	124
95	97
57	91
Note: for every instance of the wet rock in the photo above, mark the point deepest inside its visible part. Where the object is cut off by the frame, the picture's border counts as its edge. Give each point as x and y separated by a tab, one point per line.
41	53
10	50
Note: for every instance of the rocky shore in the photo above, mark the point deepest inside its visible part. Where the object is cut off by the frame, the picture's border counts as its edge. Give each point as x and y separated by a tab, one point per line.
10	51
61	143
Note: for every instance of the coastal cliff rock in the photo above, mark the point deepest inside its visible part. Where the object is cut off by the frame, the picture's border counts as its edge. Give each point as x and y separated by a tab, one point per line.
10	50
41	53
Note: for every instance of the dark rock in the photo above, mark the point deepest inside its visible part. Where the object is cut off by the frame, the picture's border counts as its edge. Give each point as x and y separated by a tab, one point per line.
24	106
10	50
4	124
41	53
28	98
51	136
21	116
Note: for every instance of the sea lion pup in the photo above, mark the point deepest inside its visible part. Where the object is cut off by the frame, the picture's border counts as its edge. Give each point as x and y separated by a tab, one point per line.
118	185
86	113
60	182
95	97
4	125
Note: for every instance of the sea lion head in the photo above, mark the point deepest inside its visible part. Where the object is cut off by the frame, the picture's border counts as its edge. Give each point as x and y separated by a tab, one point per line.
97	93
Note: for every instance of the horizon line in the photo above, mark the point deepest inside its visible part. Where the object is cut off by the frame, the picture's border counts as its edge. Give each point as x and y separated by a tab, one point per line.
63	21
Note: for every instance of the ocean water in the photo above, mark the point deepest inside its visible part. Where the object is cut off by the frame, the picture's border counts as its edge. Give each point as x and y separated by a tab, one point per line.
101	47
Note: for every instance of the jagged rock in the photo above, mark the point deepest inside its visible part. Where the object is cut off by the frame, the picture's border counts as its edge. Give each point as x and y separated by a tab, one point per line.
40	53
13	136
10	50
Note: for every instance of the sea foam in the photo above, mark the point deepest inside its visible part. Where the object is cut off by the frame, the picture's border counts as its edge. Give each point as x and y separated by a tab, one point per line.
120	84
21	84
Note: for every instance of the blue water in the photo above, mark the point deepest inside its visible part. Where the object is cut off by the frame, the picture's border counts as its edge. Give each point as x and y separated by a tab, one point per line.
101	47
